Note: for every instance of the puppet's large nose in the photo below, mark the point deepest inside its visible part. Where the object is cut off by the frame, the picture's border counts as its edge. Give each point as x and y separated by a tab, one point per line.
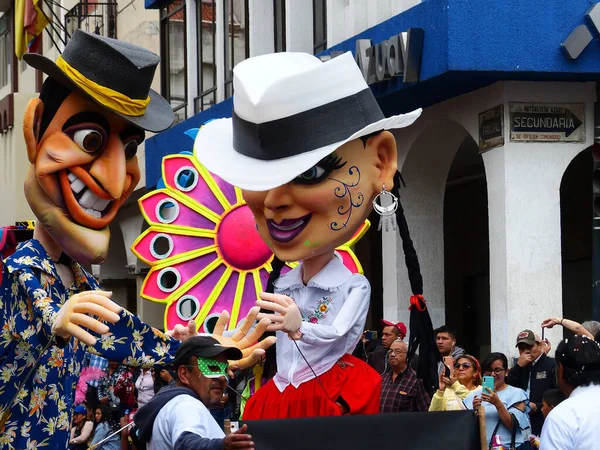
278	198
109	167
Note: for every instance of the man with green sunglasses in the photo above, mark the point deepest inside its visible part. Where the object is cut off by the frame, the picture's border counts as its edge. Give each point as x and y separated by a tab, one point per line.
178	417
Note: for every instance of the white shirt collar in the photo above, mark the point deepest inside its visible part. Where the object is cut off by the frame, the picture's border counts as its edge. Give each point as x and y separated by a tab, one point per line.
330	278
537	359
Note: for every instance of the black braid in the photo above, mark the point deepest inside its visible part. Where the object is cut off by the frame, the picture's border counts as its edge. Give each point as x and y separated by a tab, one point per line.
421	328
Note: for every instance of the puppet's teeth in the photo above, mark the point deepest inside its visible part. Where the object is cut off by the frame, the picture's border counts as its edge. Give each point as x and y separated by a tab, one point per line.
71	176
94	213
288	227
101	204
77	185
88	199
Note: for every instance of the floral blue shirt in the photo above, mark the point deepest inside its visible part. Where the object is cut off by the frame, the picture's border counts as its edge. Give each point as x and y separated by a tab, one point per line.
31	294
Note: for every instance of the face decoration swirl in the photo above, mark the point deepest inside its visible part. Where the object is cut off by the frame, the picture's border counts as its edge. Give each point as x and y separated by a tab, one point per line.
203	247
343	191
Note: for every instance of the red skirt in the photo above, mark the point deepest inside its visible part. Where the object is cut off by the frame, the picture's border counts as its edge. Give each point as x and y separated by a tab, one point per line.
355	382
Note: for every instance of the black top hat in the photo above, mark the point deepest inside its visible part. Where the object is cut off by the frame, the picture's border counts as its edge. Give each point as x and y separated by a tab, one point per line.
114	74
204	346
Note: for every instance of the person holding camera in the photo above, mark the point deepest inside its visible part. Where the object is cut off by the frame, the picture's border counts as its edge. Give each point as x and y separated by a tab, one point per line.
376	355
506	407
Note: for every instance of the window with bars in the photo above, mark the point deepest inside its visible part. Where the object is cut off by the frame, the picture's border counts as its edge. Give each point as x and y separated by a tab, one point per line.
236	38
206	18
279	25
5	51
319	25
173	57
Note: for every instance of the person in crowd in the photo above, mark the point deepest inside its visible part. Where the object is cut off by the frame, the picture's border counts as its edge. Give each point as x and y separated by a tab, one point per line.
550	400
98	363
143	380
571	325
503	405
445	339
124	390
377	355
162	378
179	417
401	390
106	388
81	431
535	373
103	429
575	423
453	390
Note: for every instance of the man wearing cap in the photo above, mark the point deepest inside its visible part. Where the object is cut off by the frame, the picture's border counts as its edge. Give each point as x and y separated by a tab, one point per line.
82	135
535	373
378	357
178	418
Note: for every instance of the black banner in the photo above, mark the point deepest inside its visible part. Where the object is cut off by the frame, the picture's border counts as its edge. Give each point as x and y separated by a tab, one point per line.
421	430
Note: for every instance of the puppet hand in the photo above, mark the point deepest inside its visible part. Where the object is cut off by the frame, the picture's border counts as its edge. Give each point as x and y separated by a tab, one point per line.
76	312
245	339
184	333
287	316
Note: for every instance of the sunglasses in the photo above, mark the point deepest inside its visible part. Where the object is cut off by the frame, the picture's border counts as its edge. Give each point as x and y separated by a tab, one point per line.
211	368
462	365
496	371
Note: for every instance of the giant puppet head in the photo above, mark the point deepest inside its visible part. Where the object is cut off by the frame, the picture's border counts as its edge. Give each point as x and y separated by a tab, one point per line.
308	147
82	136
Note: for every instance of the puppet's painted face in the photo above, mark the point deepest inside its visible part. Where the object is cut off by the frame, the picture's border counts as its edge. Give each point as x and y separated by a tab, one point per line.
84	168
323	207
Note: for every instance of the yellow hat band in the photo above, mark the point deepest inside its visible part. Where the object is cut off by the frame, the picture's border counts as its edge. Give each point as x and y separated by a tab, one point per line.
105	96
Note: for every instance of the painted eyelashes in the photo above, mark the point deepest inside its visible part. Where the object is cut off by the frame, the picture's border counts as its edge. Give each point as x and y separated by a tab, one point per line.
321	170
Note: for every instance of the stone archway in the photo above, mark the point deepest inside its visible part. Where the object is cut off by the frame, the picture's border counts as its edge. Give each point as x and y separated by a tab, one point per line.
576	237
425	165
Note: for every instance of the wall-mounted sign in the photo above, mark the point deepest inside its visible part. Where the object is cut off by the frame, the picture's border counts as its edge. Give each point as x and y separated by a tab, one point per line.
399	55
547	122
491	128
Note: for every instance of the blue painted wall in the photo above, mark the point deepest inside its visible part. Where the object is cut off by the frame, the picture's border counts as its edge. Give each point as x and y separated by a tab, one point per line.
468	44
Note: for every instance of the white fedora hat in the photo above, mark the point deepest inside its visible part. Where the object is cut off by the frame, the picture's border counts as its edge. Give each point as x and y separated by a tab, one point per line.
290	110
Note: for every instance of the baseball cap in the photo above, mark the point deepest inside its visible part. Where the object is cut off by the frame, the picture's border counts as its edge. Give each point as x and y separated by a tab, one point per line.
205	346
527	337
80	409
399	325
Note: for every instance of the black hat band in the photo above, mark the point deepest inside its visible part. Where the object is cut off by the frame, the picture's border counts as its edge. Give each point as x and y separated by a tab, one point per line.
306	131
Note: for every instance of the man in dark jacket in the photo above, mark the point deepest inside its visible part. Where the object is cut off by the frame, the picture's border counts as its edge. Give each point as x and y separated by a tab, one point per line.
377	356
178	417
535	373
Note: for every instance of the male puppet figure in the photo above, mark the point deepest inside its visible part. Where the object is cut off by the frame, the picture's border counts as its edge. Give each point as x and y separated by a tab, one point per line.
308	147
82	135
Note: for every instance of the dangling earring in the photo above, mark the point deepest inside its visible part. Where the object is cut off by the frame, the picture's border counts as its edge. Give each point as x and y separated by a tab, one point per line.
387	213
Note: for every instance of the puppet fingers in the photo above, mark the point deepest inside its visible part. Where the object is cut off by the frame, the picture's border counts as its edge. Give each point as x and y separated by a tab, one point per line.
248	361
264	344
89	322
221	323
79	333
255	334
275	318
271	306
246	325
97	310
280	299
275	327
101	298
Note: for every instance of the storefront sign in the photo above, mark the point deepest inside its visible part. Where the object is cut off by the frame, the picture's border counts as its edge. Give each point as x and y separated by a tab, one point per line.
547	122
400	55
491	128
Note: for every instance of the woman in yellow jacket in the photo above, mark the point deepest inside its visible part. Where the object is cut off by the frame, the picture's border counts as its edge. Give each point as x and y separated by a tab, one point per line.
452	391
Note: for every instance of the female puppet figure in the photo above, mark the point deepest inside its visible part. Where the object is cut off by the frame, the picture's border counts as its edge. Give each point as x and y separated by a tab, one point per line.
308	147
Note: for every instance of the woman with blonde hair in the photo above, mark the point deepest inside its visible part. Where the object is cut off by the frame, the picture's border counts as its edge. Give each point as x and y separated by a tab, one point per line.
452	391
